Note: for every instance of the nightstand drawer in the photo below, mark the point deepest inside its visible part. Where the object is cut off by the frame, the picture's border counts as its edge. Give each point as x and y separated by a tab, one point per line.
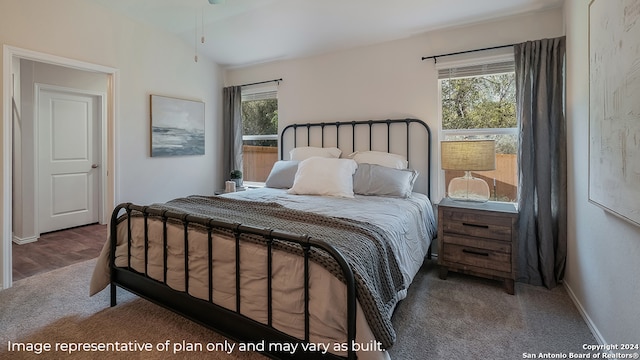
492	245
491	227
482	258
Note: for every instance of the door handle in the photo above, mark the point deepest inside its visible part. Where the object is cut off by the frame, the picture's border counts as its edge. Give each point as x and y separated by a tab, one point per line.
94	166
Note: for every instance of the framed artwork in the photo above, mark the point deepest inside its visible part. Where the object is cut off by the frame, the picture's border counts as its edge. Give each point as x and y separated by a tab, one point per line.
177	127
614	107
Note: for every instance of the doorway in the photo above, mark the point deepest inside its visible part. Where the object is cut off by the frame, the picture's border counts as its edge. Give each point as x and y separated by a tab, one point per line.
12	55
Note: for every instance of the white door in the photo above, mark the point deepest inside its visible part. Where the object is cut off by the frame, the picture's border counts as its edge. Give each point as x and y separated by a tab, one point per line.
68	178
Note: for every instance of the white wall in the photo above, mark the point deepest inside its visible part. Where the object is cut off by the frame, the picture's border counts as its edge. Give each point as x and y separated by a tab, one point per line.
388	80
603	250
149	62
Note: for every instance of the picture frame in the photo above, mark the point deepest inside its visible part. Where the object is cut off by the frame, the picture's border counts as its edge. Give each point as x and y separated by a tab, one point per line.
614	109
177	127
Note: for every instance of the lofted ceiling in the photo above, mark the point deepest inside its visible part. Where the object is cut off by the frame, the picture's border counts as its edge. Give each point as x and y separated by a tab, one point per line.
244	32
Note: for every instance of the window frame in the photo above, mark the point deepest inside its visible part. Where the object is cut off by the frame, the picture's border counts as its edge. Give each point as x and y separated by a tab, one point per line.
467	60
254	93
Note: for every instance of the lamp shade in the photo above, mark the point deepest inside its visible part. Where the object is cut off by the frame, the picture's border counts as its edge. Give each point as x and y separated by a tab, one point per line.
468	155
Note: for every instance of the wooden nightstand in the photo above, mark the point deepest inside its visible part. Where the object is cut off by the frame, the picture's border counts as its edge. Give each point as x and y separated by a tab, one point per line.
478	239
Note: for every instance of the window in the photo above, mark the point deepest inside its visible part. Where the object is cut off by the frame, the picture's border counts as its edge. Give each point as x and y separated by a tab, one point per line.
260	133
478	102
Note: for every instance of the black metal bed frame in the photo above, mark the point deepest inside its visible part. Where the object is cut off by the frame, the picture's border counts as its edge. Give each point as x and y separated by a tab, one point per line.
232	323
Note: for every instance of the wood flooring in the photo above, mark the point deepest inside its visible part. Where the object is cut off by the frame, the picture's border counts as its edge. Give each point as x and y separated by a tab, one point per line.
58	249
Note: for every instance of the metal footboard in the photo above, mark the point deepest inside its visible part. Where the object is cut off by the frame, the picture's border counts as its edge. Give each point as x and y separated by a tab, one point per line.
230	323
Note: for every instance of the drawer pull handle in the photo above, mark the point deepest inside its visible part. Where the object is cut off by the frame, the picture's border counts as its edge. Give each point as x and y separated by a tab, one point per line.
476	225
475	252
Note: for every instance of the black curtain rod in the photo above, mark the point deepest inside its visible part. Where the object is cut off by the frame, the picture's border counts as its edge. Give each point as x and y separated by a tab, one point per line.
435	57
262	82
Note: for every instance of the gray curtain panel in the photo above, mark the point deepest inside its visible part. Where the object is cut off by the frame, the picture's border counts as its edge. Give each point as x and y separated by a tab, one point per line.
542	242
232	129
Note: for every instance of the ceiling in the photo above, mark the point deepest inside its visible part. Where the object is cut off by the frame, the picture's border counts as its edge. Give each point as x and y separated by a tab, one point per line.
244	32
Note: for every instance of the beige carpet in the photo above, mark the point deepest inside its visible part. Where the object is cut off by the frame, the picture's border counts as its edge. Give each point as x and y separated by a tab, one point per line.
465	317
459	318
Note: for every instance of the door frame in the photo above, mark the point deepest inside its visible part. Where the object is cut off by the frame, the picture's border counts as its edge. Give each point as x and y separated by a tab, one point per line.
9	55
101	127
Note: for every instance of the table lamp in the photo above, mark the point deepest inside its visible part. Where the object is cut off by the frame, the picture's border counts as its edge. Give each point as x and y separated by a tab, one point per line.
468	155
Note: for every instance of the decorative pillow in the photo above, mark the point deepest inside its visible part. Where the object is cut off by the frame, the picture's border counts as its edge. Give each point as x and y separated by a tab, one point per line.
305	152
282	174
379	180
324	176
390	160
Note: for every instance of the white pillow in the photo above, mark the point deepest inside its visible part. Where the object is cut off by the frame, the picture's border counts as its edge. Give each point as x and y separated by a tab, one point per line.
324	176
394	161
305	152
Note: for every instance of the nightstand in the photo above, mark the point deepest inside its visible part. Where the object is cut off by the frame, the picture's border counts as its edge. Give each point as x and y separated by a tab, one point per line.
478	239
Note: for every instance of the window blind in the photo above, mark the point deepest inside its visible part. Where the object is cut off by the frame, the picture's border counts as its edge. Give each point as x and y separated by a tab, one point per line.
476	70
264	95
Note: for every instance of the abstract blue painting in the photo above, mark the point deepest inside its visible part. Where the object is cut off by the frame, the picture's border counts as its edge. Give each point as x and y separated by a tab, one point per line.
177	127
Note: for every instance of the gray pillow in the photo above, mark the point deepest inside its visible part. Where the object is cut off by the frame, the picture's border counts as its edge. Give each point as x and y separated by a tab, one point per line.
371	179
282	174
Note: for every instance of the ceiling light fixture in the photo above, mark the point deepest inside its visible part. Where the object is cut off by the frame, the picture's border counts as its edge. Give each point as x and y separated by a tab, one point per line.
212	2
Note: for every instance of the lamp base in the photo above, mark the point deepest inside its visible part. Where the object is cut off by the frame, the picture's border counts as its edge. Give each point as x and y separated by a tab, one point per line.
468	188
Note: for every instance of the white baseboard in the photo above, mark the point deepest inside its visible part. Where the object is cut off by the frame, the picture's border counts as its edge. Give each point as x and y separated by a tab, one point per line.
22	241
585	316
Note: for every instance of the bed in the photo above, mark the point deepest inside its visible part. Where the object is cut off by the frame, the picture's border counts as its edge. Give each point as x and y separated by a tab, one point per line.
290	269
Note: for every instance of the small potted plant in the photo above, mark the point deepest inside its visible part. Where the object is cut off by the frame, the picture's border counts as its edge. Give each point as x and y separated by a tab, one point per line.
236	176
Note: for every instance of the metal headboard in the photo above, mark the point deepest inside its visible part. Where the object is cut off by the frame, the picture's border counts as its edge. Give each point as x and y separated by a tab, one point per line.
371	125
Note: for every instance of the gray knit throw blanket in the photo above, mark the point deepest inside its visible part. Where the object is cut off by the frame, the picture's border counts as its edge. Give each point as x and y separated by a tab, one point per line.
376	271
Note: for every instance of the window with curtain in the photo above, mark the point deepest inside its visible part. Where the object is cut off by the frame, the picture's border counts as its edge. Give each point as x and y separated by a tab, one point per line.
260	133
478	102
